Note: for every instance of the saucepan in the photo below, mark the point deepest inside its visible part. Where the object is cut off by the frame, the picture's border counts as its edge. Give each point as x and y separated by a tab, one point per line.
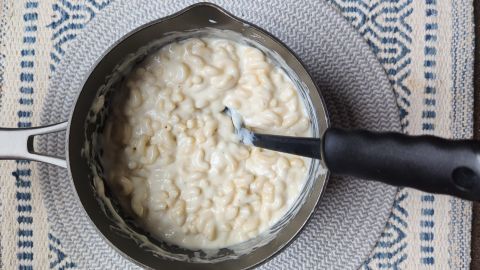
427	163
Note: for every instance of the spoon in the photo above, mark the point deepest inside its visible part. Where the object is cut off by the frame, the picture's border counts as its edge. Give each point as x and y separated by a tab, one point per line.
427	163
302	146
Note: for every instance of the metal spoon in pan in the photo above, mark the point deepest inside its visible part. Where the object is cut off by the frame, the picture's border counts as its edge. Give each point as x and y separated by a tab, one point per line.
427	163
307	147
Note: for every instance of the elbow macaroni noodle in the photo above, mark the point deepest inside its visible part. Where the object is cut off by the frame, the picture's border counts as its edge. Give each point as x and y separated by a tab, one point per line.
173	157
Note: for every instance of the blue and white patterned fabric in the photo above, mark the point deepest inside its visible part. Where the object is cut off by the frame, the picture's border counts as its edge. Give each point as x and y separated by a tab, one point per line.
425	46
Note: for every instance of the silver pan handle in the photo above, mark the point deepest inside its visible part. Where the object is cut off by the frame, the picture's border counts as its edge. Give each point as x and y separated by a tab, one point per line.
17	143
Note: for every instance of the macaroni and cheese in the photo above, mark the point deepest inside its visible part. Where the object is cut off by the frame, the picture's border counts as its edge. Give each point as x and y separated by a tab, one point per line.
173	158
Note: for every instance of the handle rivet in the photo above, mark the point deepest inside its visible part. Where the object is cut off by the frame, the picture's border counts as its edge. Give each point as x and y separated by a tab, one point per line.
465	178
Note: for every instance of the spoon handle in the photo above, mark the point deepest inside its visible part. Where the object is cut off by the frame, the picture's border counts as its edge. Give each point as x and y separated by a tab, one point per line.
307	147
427	163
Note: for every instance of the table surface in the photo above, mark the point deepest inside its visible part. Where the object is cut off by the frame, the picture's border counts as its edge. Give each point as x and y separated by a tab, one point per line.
475	236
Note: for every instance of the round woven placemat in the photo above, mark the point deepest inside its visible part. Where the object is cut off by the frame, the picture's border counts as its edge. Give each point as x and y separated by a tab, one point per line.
351	215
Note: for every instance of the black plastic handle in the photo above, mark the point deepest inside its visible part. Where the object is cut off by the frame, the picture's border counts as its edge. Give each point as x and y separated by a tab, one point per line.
427	163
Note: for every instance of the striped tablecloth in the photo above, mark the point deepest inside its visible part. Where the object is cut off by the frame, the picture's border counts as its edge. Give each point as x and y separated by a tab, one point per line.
425	46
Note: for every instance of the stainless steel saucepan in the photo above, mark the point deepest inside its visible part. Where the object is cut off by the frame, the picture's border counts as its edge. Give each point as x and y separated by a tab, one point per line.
427	163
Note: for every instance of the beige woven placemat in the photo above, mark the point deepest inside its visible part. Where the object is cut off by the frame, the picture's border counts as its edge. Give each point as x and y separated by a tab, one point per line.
426	47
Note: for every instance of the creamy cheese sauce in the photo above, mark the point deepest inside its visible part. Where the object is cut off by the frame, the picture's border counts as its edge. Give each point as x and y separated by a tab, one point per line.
172	156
